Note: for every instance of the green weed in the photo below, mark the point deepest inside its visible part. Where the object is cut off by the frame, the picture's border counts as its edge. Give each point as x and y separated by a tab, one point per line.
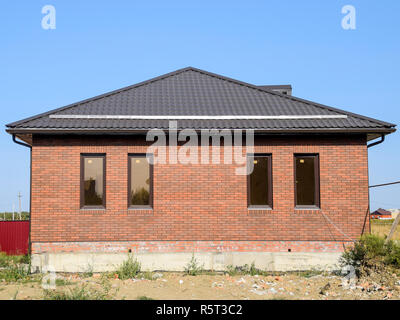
193	268
129	269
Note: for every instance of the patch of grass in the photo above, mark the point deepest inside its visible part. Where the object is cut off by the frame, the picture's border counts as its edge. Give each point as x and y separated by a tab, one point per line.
251	270
382	228
14	272
82	292
107	275
382	221
231	270
129	269
309	273
211	273
144	298
6	260
63	282
147	275
245	270
14	268
25	259
193	268
88	272
32	278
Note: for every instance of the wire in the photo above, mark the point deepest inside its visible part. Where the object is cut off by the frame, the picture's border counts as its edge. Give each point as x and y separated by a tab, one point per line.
384	184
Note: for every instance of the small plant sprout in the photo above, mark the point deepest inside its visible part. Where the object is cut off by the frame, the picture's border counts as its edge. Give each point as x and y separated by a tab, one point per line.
193	268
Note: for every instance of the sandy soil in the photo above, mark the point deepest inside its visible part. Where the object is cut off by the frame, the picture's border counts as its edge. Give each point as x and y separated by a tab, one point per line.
215	287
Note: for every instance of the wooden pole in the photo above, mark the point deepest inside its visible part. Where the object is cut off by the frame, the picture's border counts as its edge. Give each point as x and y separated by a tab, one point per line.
393	228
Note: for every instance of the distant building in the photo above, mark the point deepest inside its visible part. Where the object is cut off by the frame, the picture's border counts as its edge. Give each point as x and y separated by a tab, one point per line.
381	214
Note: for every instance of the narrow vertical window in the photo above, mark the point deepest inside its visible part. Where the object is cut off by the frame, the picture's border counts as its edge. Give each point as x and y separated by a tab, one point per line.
140	190
259	184
307	180
93	180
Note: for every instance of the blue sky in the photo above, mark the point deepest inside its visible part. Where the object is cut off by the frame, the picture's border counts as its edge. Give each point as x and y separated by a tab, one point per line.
99	46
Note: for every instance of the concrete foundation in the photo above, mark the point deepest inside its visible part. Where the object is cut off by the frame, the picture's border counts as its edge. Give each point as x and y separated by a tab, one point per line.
176	261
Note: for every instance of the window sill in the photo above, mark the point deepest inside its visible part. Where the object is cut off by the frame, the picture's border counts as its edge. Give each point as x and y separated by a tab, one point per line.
140	208
307	210
258	208
315	208
259	211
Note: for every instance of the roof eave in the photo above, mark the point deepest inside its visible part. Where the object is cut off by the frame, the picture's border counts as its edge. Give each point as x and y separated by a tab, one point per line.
142	131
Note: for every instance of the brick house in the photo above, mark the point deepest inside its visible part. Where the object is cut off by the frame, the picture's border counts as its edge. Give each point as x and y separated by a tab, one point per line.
381	214
97	192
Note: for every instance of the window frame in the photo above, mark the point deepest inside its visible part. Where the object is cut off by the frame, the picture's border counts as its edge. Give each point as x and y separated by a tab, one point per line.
151	194
269	205
317	195
82	178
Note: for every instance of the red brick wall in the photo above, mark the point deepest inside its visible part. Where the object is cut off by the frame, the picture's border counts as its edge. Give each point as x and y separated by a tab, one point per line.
198	202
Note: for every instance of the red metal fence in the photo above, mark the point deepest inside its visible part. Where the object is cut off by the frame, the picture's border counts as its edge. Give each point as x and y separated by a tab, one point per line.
14	237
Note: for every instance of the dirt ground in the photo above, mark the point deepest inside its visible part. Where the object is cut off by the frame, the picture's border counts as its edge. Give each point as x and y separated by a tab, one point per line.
177	286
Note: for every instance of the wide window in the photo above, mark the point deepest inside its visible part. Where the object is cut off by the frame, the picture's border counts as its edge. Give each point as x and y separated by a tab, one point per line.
259	189
307	180
93	180
140	181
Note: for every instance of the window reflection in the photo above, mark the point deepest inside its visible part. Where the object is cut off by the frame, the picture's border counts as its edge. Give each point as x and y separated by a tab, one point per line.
306	181
139	181
259	183
93	181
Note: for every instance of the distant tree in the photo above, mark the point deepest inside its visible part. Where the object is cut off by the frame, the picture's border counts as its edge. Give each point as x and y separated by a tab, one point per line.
140	197
91	196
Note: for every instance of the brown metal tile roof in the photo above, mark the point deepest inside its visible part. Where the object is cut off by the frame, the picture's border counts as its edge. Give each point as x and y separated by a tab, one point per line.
195	92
